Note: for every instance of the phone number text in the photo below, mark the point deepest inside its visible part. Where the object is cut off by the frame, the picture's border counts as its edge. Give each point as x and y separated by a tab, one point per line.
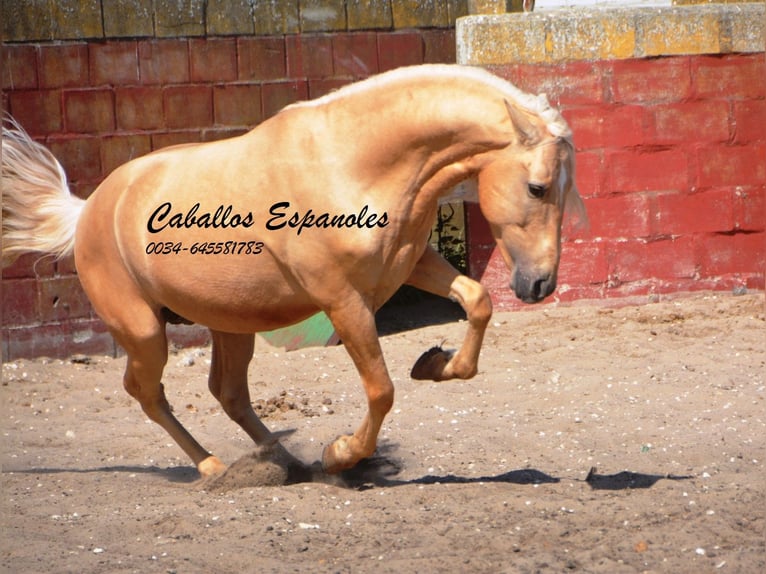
205	248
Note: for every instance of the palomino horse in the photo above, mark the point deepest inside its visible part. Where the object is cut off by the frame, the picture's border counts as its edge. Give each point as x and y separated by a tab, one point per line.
326	206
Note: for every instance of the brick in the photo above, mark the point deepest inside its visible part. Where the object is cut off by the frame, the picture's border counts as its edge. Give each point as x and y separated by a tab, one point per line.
607	126
683	213
20	302
65	266
60	339
590	173
163	61
582	263
369	14
64	66
128	18
39	112
574	83
749	208
640	260
399	49
216	134
188	335
188	106
19	67
113	63
319	88
229	17
273	18
213	60
277	95
459	8
162	140
322	15
355	55
79	156
178	18
309	56
690	122
261	59
62	298
29	266
730	77
738	253
622	216
26	21
237	105
420	14
749	121
139	108
646	170
651	81
89	111
439	46
732	165
117	150
77	19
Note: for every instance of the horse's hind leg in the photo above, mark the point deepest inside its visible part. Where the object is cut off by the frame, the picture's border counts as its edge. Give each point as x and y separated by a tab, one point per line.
435	275
147	354
228	383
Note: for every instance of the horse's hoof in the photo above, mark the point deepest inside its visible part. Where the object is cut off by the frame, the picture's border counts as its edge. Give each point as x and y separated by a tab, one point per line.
336	457
212	465
431	364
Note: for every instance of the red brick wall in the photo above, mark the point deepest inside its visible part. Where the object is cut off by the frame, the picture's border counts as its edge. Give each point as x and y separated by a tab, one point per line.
98	104
671	160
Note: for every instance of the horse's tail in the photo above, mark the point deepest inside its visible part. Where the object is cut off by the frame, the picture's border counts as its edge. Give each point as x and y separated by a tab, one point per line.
39	212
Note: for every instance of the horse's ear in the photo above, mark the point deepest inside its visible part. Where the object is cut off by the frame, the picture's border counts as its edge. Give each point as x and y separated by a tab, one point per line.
525	129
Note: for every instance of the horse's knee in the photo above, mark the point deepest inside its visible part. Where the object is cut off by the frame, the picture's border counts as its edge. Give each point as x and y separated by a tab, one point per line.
474	298
479	305
381	399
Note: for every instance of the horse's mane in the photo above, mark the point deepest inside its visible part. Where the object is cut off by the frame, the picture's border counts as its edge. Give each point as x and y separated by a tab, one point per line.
536	104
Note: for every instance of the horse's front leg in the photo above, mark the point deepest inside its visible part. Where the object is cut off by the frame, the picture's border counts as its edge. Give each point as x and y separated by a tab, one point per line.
355	324
435	275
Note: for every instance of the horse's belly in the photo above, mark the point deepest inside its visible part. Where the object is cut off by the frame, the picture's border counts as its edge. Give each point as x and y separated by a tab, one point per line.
227	292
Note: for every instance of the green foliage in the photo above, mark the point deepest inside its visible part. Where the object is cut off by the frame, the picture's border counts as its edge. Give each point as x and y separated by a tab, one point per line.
448	235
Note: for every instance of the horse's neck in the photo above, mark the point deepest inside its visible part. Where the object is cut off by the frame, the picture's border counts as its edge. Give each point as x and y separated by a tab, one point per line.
419	128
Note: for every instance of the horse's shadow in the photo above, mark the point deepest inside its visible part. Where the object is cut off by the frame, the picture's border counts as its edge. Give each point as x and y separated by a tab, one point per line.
381	470
175	474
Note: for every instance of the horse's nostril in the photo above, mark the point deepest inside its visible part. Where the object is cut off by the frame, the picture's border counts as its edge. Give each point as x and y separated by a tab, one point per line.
539	287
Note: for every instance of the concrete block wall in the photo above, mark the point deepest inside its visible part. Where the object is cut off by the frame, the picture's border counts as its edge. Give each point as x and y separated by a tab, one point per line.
668	108
101	82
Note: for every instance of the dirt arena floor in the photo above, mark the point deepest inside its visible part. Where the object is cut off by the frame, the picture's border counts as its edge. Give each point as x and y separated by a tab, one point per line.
593	439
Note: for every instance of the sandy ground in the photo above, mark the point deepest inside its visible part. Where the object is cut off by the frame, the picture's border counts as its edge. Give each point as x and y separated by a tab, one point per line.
592	440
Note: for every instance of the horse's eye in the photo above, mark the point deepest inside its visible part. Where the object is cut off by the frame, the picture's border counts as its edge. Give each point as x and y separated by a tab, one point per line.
536	190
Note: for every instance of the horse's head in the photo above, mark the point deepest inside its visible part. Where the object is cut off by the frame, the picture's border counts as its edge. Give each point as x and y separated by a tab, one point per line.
523	191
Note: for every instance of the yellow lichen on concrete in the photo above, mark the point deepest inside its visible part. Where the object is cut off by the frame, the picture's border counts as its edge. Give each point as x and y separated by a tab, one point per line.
674	32
619	39
606	34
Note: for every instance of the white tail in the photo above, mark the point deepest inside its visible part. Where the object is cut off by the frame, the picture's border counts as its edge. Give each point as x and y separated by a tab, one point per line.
39	212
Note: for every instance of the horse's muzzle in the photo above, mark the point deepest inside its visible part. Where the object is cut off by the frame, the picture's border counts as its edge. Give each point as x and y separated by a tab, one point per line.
532	287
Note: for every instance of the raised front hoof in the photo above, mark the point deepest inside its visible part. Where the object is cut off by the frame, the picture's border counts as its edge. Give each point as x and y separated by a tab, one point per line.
211	466
432	364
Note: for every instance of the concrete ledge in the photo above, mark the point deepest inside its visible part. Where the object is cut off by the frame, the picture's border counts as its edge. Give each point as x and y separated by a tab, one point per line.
610	34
